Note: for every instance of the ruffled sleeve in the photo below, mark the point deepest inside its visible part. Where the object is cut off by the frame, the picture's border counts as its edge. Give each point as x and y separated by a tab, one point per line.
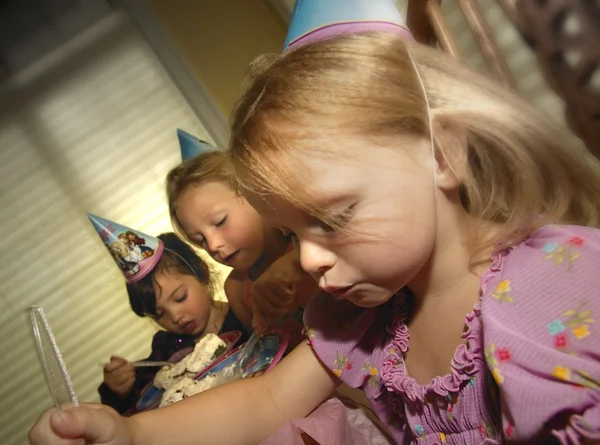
351	342
347	339
539	310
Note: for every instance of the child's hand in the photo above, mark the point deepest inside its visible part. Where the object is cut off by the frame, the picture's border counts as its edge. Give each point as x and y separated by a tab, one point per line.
119	376
88	423
278	290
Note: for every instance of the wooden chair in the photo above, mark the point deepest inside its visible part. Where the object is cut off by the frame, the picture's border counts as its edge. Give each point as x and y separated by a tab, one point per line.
564	35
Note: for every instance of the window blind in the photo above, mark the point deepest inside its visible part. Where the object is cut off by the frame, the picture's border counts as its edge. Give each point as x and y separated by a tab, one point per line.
90	128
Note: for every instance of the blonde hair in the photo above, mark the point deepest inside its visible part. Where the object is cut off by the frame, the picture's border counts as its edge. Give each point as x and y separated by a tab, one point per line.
523	171
207	167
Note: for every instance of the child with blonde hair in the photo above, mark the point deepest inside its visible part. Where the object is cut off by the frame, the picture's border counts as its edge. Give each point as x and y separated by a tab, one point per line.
417	192
207	211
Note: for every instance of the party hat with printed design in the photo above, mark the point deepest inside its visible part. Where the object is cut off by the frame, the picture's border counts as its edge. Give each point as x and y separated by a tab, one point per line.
135	253
314	20
192	146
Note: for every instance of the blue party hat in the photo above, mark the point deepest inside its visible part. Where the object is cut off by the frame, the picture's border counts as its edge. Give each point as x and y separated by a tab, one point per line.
135	253
314	20
192	146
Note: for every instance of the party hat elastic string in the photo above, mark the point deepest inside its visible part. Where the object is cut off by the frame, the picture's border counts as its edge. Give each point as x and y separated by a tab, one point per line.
429	118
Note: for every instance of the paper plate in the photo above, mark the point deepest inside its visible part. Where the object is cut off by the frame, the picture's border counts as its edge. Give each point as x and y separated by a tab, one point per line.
150	398
231	358
231	338
263	357
151	395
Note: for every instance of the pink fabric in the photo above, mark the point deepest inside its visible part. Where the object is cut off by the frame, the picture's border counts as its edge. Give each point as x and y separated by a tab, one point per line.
332	423
529	367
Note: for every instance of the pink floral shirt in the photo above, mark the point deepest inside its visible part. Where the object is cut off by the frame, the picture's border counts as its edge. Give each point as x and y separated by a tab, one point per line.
529	367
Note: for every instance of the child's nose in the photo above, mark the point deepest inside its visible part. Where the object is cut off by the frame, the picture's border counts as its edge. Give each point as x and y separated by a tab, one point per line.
214	243
176	317
315	259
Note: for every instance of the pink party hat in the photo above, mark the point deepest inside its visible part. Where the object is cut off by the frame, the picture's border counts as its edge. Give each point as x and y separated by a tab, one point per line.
135	253
314	20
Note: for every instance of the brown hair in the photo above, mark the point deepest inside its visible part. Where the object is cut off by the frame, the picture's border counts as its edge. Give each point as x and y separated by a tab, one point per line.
177	256
521	164
193	172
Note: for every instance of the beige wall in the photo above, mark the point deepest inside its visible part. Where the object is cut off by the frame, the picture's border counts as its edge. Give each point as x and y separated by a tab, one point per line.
219	38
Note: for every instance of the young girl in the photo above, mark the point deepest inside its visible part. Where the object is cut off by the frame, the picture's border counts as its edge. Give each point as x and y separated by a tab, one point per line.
418	192
177	294
206	210
266	273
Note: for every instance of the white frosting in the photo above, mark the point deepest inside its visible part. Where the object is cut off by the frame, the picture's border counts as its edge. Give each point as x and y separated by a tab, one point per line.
191	364
188	387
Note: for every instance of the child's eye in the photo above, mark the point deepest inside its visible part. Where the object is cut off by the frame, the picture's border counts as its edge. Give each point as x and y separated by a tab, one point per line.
326	227
340	220
221	222
198	241
182	298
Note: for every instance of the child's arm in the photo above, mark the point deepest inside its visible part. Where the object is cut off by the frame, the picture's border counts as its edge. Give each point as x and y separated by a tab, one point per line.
243	412
234	290
246	411
120	387
162	348
283	286
306	286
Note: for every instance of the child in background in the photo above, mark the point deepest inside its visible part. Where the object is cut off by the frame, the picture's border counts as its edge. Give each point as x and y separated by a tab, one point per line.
177	293
206	210
266	273
417	192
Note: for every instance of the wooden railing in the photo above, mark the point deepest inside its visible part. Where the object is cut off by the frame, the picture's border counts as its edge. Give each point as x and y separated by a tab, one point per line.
569	58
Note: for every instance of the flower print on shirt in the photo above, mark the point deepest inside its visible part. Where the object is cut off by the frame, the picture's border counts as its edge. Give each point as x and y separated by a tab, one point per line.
565	253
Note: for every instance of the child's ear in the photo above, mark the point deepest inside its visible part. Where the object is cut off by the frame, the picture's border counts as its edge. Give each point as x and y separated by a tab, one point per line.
451	154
